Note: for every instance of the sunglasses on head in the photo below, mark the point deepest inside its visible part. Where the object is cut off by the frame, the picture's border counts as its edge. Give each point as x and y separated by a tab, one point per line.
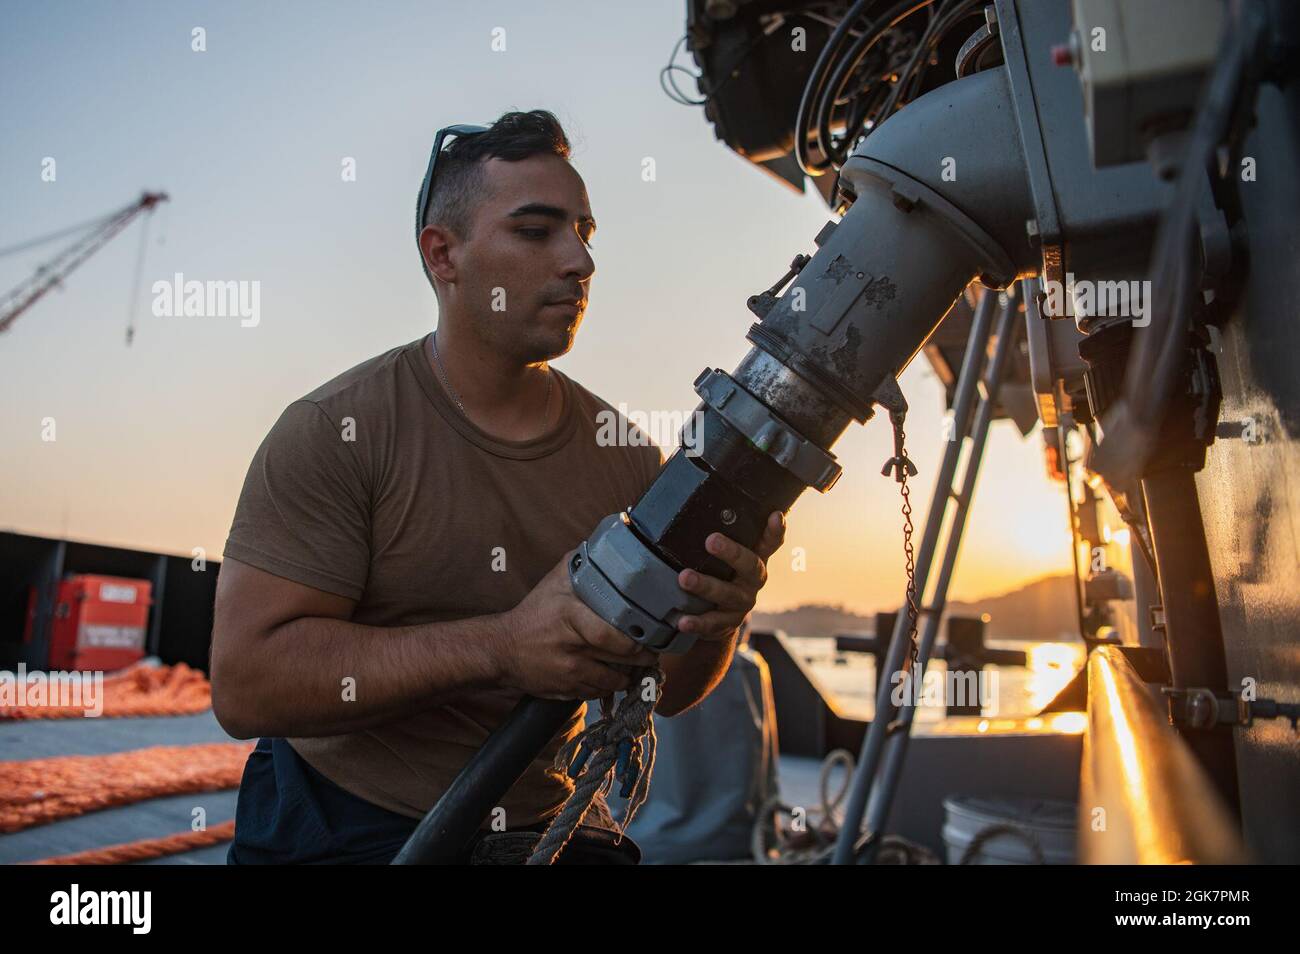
461	129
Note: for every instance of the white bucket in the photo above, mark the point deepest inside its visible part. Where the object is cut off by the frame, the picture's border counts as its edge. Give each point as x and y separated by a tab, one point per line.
1048	825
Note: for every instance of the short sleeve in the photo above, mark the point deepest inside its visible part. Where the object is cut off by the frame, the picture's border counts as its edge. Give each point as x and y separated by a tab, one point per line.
304	512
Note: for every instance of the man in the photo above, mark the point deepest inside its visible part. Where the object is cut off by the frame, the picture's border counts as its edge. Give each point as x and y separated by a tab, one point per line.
395	576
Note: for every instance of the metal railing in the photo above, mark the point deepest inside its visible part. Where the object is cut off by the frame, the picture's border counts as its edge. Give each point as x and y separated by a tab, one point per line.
1143	796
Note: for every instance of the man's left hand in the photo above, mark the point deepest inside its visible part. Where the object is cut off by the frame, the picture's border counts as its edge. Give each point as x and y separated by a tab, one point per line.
734	599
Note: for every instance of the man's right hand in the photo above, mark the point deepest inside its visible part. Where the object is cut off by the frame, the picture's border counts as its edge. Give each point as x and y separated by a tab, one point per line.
553	646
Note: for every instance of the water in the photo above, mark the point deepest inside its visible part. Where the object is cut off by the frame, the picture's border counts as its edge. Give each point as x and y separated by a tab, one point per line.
1009	692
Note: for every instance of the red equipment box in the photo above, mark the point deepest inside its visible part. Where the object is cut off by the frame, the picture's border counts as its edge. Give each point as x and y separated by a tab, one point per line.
99	622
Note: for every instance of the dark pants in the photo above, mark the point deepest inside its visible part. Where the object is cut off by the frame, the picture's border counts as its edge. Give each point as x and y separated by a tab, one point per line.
289	814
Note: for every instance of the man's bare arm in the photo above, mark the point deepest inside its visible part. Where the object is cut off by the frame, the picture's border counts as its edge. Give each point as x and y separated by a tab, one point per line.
696	673
690	677
281	653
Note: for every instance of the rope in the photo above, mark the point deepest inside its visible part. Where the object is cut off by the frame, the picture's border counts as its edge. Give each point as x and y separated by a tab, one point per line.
621	744
990	832
38	791
148	849
139	274
135	692
770	845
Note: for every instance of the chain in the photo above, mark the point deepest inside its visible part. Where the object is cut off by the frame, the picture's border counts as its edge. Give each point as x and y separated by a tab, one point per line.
442	375
903	467
910	566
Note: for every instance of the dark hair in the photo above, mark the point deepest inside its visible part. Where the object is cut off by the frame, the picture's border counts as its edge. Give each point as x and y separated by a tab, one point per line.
458	178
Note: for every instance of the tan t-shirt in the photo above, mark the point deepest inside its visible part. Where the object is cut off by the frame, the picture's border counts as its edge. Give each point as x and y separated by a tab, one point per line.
375	487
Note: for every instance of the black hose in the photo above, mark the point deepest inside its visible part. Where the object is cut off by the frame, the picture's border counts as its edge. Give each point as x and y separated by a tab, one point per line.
837	64
812	91
843	70
444	833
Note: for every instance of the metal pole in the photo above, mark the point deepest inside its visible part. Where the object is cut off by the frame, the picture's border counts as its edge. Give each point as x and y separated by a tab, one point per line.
873	742
882	796
1193	634
1062	437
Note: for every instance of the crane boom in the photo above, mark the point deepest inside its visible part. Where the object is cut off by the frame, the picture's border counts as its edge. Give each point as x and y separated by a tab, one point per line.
51	273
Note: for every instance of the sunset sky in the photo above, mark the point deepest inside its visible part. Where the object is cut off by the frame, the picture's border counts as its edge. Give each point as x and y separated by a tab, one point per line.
249	138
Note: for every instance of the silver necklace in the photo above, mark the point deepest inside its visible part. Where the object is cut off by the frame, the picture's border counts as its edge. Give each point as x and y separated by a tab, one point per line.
442	374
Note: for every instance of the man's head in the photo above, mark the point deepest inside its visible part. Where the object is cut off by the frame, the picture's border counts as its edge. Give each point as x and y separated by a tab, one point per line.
505	238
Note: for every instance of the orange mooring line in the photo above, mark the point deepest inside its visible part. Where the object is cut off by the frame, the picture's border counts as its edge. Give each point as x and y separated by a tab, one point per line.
138	691
37	791
147	849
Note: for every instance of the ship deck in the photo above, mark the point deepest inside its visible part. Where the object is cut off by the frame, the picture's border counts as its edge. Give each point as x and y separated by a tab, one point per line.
977	756
168	815
154	818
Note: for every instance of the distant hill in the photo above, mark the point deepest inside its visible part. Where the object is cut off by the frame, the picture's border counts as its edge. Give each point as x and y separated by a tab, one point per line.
1042	610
